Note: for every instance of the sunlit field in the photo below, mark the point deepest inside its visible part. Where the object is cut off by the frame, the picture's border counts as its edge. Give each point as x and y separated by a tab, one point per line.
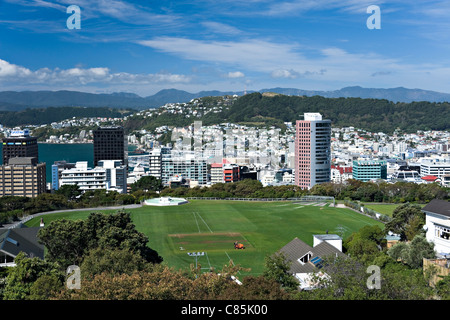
212	227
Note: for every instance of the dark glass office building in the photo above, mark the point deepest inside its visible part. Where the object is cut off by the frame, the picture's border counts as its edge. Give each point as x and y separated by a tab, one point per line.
19	144
110	143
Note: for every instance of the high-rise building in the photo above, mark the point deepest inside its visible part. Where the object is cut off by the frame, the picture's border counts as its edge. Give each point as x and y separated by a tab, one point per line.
366	170
312	151
23	177
185	165
110	143
20	144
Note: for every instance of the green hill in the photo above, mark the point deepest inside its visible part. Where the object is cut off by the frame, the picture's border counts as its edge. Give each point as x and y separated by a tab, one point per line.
370	114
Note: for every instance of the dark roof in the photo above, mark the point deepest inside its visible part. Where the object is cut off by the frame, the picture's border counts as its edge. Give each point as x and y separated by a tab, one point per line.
16	240
441	207
296	249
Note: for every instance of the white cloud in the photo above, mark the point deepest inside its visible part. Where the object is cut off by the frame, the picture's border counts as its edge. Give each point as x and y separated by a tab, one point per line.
253	54
11	70
11	74
235	74
221	28
283	73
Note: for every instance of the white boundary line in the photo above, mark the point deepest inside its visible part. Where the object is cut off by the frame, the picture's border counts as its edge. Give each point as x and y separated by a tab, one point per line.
204	222
196	222
210	267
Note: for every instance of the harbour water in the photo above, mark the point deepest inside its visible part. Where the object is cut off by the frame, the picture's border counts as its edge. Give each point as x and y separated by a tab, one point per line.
49	153
71	152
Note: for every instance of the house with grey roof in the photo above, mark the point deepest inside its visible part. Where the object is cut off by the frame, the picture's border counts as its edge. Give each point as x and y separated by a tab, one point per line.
16	240
307	262
437	225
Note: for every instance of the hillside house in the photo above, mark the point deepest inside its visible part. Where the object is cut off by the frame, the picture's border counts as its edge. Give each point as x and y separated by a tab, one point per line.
307	261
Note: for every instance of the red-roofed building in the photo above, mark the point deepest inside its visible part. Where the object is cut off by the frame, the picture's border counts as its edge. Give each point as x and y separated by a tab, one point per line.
340	174
430	179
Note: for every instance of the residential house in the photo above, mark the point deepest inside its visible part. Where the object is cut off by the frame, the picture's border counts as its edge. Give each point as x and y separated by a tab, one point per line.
307	261
16	240
437	224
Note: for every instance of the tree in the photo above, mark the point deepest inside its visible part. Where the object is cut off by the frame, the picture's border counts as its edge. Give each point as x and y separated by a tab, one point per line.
366	243
48	202
443	288
147	183
413	253
21	278
64	241
45	287
276	267
400	282
68	241
113	261
256	288
70	191
346	279
407	221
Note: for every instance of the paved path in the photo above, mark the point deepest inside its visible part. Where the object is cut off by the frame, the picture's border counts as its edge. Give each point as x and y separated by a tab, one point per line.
27	218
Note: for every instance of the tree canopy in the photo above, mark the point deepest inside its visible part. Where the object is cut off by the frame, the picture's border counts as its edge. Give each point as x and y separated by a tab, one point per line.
67	241
407	221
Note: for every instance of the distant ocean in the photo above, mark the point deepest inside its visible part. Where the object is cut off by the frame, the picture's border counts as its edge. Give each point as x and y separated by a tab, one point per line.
49	153
73	152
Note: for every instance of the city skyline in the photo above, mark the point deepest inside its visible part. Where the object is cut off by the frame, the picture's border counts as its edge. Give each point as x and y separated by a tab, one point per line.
126	46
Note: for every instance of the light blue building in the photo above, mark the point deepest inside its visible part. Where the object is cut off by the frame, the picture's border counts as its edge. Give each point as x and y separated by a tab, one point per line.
366	170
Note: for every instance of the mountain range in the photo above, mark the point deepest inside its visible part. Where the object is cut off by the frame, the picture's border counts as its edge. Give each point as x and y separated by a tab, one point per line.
20	100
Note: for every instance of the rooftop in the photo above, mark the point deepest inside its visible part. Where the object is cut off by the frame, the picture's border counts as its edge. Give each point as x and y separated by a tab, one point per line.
296	249
441	207
327	236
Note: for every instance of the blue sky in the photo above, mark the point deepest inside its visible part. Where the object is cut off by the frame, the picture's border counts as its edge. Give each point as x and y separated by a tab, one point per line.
145	46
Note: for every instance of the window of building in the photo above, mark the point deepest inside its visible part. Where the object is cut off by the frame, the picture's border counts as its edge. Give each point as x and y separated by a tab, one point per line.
305	258
442	232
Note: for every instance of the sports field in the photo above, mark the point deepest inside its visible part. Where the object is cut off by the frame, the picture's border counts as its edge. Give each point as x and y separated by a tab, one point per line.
212	227
386	209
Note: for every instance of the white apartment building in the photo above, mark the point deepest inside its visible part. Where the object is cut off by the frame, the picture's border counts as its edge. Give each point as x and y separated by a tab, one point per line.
109	175
86	178
217	173
116	175
435	167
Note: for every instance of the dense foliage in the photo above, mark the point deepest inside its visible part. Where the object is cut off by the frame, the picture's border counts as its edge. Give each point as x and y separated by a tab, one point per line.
398	192
34	116
374	115
112	269
67	241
